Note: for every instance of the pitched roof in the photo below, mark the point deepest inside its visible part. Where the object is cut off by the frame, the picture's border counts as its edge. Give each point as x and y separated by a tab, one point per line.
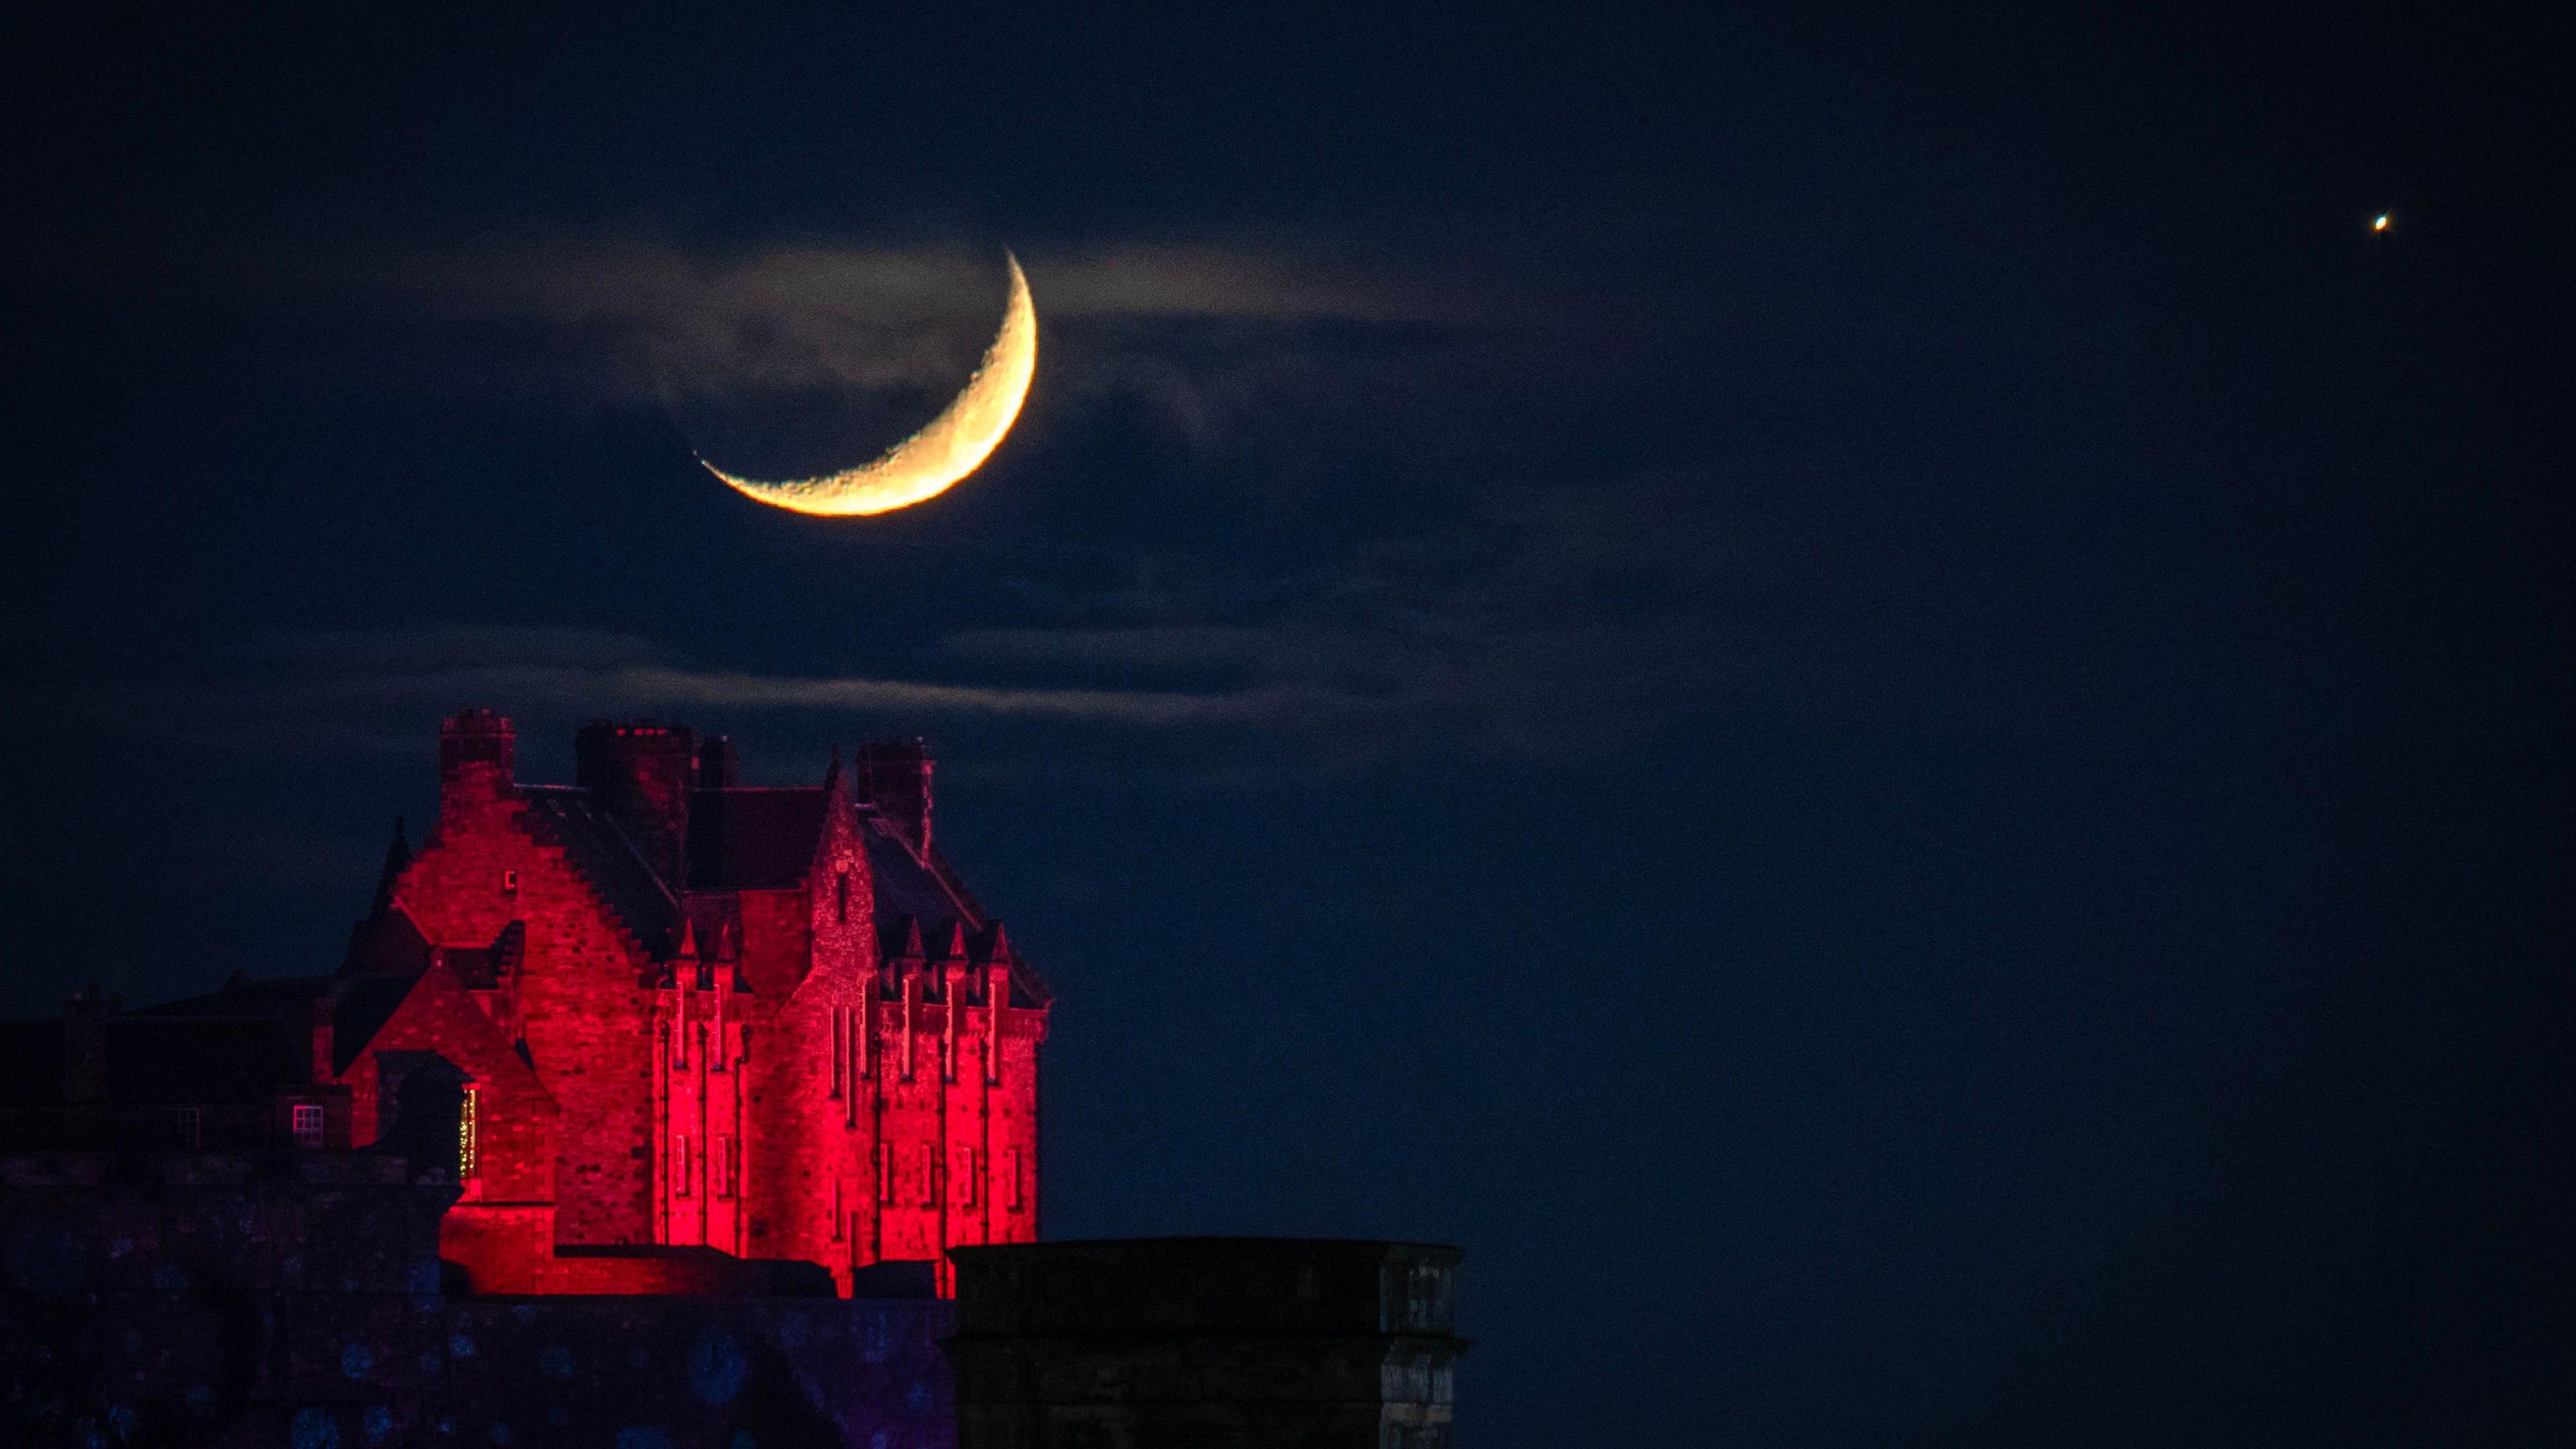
763	839
568	817
752	839
368	1003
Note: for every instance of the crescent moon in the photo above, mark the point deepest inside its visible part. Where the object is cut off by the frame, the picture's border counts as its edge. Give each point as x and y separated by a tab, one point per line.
931	461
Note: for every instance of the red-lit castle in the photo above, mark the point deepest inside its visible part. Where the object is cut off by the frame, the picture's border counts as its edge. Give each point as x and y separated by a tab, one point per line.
687	1014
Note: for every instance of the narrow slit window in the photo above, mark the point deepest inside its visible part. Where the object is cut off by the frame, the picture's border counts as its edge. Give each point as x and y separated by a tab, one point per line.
509	882
469	1133
680	1165
885	1173
1011	1178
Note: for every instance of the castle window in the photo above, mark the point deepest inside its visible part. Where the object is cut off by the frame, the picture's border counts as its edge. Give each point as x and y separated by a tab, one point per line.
724	1166
837	1216
469	1132
509	882
885	1173
838	1050
1012	1193
841	897
930	1177
966	1180
680	1165
307	1120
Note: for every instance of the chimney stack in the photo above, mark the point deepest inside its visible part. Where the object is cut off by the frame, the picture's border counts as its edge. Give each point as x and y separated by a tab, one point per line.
895	775
477	762
641	773
715	763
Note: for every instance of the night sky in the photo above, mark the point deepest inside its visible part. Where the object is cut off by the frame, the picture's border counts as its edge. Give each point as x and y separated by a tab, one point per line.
1876	701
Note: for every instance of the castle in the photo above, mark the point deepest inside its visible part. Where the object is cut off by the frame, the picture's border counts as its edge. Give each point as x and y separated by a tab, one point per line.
670	1012
651	1110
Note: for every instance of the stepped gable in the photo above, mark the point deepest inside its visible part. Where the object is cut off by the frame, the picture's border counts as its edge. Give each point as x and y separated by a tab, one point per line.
568	818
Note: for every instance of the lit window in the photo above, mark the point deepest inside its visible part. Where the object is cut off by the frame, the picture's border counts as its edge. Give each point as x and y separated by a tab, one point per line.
469	1133
308	1125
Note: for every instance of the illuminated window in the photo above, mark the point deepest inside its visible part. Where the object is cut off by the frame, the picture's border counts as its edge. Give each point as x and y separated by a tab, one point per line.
308	1124
469	1133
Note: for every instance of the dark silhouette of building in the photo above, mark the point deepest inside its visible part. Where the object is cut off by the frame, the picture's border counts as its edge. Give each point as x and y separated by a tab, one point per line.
293	1299
1191	1343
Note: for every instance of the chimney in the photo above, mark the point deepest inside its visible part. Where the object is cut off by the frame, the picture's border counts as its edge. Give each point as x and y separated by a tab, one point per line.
895	774
715	763
477	753
641	774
